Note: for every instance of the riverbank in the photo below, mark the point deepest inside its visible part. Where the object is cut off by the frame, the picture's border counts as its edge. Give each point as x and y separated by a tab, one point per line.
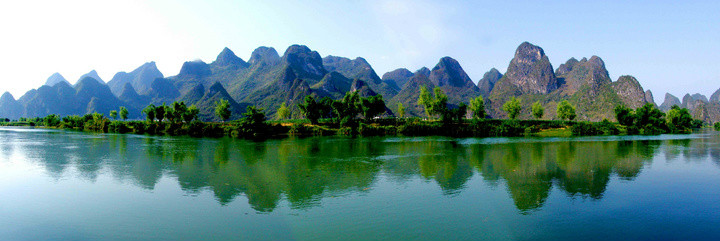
327	127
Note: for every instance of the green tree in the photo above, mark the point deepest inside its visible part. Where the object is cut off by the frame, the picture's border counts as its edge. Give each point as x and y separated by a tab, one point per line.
283	112
372	106
310	109
439	104
512	107
149	112
538	110
179	110
160	112
222	109
401	110
124	113
566	111
348	108
113	114
650	120
679	120
191	114
477	107
624	115
425	100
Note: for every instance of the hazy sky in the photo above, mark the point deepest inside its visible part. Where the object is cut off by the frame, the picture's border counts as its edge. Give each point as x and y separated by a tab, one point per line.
670	46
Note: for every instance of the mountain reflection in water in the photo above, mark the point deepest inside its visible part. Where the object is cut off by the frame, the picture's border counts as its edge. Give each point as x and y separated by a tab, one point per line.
304	171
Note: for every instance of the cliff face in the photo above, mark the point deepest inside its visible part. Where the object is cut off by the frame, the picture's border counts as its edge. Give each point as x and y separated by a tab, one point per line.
630	91
530	71
487	83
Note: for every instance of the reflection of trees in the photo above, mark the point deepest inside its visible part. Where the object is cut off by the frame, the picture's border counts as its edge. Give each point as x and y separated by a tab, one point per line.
578	168
304	171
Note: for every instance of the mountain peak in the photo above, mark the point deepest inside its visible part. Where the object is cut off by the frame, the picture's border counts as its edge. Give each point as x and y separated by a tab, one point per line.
94	75
266	55
530	70
7	97
305	62
196	68
399	77
228	58
449	72
715	97
54	79
487	83
423	71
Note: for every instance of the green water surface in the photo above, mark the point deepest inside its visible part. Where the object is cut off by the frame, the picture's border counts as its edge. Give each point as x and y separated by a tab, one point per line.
64	185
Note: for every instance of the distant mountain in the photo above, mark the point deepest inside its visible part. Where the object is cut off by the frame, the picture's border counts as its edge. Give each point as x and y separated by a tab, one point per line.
92	74
649	97
55	78
398	77
487	83
141	79
423	71
669	101
715	97
92	96
360	69
228	59
206	102
333	85
268	79
9	107
408	96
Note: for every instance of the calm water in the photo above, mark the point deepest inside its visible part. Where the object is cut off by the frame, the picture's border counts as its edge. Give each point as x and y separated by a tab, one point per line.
60	185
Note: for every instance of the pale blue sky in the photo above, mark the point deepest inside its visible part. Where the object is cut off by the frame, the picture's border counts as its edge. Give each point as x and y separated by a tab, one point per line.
669	46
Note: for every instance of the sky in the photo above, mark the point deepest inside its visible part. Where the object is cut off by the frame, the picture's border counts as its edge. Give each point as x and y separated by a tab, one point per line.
669	46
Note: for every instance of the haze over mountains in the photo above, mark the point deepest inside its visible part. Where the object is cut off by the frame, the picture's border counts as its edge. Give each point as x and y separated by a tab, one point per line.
268	79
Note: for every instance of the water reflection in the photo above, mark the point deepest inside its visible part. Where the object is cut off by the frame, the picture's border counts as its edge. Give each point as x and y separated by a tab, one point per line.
305	171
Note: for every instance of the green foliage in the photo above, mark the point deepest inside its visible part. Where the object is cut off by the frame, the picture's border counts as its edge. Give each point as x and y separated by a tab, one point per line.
477	108
624	115
124	113
311	109
679	120
191	114
717	126
160	112
52	120
401	110
425	100
114	114
512	107
585	129
372	106
96	122
565	111
150	112
222	109
650	120
251	125
283	112
347	108
537	110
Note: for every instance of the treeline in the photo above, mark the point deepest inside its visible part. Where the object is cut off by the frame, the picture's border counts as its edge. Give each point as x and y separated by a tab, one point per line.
356	115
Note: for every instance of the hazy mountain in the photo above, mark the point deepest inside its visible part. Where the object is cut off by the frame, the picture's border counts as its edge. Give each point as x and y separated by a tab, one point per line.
92	74
398	77
267	80
423	71
287	87
487	83
207	102
359	68
141	79
649	97
408	96
92	96
58	99
715	97
54	79
669	101
333	85
9	107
